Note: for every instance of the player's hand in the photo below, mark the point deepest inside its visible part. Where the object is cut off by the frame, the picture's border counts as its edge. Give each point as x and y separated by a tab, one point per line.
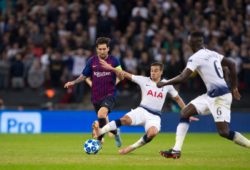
236	94
105	65
69	84
192	118
121	75
160	84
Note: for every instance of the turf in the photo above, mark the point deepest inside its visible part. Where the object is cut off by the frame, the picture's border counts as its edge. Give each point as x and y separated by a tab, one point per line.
64	151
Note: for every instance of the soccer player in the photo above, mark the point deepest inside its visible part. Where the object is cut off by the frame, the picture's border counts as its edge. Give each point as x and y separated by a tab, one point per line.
148	113
102	83
217	100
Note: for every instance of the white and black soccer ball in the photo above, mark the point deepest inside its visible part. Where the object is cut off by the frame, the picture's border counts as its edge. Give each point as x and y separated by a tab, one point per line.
92	146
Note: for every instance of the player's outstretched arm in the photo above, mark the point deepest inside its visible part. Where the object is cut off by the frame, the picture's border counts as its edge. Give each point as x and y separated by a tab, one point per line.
178	79
120	73
72	83
233	77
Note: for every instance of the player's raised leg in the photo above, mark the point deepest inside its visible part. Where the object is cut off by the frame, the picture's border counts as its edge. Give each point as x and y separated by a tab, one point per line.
112	133
115	133
113	125
151	133
222	114
238	138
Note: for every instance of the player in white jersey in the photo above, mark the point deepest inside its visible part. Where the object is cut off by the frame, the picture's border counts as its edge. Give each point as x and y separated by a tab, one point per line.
216	101
148	113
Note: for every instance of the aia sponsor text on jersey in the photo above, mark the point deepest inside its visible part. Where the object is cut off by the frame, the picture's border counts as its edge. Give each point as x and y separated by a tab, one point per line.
155	94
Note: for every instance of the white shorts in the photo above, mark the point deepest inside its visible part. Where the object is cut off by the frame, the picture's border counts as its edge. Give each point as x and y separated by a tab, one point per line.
142	117
220	106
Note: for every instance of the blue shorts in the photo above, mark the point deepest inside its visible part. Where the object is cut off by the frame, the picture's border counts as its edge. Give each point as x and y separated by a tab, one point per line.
108	102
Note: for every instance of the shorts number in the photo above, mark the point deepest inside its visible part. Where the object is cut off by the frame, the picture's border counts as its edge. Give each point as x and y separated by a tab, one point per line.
218	69
219	112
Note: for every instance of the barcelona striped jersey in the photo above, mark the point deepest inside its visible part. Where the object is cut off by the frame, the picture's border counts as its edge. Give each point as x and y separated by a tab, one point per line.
103	80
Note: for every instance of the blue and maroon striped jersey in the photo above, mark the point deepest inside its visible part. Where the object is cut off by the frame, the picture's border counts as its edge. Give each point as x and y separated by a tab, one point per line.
103	80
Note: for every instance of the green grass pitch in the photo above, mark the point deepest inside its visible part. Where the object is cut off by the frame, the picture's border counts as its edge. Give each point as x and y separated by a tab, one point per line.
205	151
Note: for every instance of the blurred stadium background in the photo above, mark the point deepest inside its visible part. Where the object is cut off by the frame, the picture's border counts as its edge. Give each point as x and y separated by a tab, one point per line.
45	43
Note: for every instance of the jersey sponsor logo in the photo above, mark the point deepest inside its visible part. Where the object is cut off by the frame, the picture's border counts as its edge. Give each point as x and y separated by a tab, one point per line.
190	60
155	94
101	74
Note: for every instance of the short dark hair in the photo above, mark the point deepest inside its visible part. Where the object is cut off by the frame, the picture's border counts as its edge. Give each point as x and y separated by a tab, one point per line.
103	40
158	64
197	34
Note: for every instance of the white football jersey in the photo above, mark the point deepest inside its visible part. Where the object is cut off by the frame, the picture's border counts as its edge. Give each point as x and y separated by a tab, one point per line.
153	97
208	65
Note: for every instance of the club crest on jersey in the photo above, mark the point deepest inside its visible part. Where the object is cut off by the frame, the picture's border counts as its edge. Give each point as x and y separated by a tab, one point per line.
155	94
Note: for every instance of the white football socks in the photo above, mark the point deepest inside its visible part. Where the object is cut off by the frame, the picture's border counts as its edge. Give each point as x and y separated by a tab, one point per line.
181	132
241	140
108	127
138	143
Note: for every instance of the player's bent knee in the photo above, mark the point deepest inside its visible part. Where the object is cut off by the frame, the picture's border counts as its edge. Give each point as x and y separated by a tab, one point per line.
101	115
126	120
102	112
151	135
184	114
188	111
152	132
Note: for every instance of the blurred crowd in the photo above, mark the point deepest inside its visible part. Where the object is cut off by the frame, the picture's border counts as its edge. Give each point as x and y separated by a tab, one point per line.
45	43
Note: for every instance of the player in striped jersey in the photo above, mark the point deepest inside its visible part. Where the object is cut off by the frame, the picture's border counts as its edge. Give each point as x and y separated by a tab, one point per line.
103	83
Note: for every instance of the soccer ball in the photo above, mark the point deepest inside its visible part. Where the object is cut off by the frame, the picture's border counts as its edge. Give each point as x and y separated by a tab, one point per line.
92	146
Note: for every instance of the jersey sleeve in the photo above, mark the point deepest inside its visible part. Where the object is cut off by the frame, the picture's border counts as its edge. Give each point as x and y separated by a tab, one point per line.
172	91
192	64
117	64
138	79
87	71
